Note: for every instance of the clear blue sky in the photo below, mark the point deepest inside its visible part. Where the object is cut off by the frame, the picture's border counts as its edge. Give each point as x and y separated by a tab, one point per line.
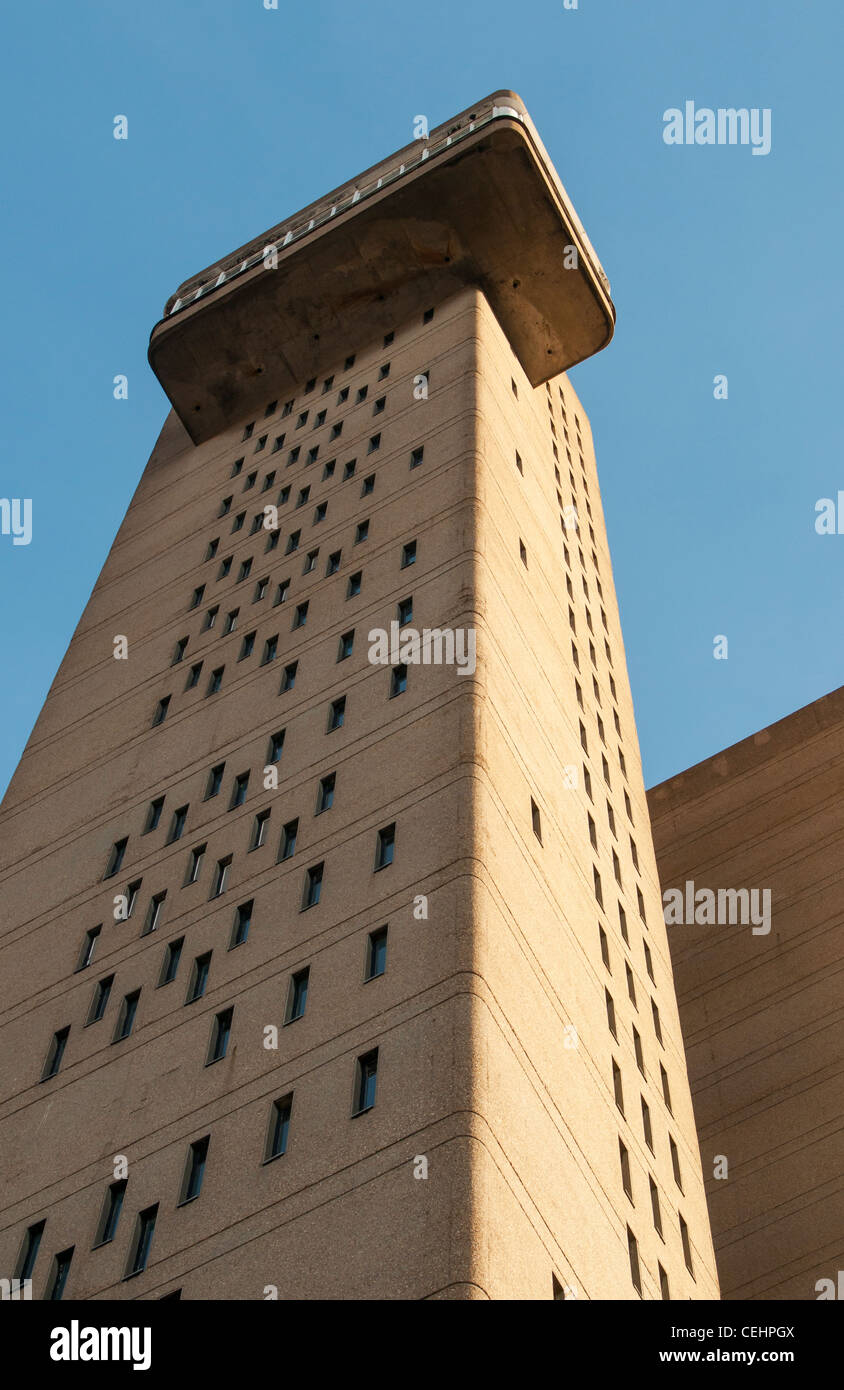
720	262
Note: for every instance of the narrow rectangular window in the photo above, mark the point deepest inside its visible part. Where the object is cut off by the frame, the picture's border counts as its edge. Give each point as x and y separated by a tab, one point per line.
298	995
194	1170
605	950
86	955
177	824
221	875
646	1124
337	713
156	907
385	847
354	585
170	964
288	840
216	681
215	780
154	814
220	1034
115	858
288	679
195	863
29	1251
300	617
270	650
110	1215
239	790
325	795
102	990
346	645
55	1052
398	680
279	1128
126	1016
624	1158
376	953
366	1075
633	1251
142	1241
313	886
664	1286
536	820
408	554
259	830
276	746
657	1214
198	977
416	457
657	1024
637	1047
675	1162
687	1245
242	923
610	1003
618	1090
361	532
58	1274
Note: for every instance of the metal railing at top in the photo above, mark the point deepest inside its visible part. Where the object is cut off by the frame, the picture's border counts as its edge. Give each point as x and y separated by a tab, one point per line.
229	273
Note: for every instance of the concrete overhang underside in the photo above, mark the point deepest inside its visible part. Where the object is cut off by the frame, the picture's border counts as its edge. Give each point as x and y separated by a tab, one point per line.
486	213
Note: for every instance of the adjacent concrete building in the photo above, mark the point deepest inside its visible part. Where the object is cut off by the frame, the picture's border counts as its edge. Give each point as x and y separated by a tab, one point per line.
329	971
760	995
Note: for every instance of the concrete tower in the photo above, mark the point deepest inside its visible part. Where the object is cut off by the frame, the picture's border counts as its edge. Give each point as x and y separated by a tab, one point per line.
333	965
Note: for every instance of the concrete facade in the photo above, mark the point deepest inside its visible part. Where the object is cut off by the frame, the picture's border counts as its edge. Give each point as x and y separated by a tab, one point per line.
761	1011
526	954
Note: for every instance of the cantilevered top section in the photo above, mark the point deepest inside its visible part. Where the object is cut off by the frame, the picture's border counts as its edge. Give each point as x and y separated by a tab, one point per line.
478	202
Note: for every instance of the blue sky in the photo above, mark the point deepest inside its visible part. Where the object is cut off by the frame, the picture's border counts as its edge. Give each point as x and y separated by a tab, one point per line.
720	262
